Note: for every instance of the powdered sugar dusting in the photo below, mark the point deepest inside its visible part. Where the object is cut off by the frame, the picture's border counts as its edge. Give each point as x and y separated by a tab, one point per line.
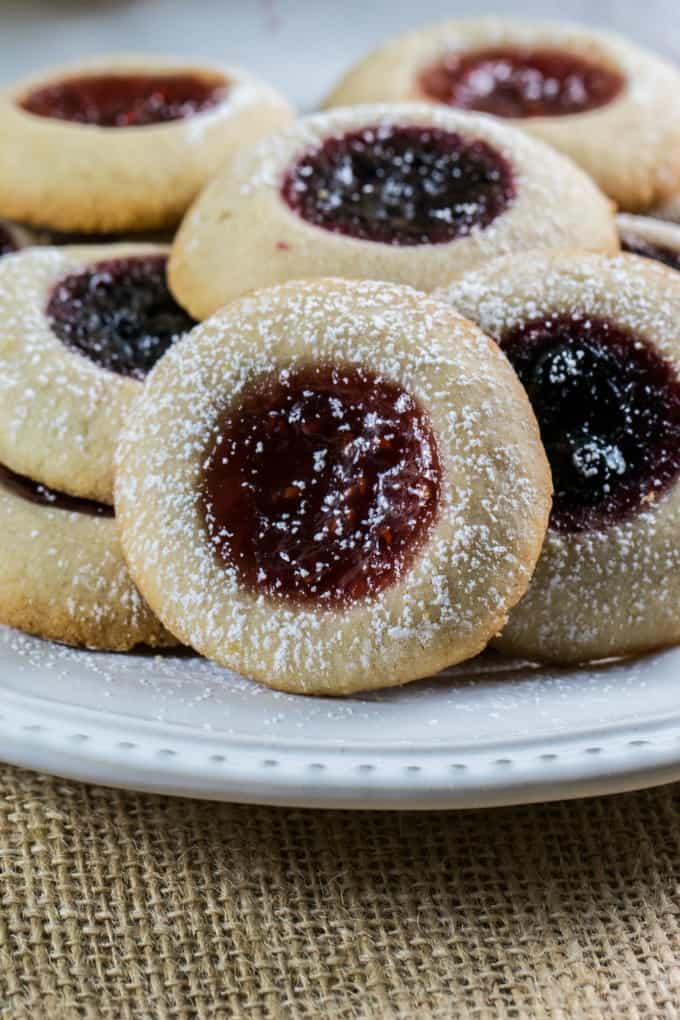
62	573
487	699
248	199
536	168
59	411
651	82
492	505
607	591
244	92
25	319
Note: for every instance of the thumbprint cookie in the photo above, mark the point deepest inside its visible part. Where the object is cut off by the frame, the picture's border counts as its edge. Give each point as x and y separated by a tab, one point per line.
332	486
596	343
80	329
605	102
62	573
652	238
410	193
124	143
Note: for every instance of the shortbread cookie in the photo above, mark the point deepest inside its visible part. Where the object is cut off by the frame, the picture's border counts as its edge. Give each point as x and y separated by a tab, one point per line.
643	235
124	143
410	193
596	342
80	329
598	98
332	486
62	573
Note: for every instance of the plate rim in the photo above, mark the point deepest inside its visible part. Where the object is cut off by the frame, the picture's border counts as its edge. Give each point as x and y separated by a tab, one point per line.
86	744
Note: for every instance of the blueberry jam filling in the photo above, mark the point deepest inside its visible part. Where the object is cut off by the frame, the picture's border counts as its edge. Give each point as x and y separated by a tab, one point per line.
516	82
119	313
34	492
639	246
125	100
322	486
608	407
400	185
7	243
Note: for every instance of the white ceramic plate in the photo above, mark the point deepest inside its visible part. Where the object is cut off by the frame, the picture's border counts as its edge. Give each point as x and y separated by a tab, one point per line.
491	732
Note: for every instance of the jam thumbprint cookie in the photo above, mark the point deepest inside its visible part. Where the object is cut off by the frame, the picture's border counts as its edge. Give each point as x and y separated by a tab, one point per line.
411	194
124	143
333	486
642	235
605	102
596	343
62	573
81	327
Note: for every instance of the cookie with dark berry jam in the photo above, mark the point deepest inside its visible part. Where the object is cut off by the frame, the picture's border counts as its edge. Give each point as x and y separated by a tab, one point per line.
401	185
411	193
595	342
118	313
84	327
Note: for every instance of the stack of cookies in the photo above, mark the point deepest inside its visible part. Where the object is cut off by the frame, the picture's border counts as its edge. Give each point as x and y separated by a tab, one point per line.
405	381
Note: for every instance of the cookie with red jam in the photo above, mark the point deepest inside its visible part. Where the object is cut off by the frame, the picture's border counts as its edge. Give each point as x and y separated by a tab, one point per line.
409	193
62	572
124	143
596	343
651	238
608	104
333	486
81	329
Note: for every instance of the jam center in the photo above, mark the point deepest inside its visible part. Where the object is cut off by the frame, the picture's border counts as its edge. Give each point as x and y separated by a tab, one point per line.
637	245
34	492
7	243
323	485
609	411
400	185
119	313
516	82
125	100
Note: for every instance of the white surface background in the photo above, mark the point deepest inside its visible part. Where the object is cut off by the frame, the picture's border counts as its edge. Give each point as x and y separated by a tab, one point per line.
300	45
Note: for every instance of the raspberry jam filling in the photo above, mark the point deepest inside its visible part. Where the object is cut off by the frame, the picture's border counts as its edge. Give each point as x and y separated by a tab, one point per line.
120	314
323	485
517	82
609	411
7	243
400	185
637	245
125	100
34	492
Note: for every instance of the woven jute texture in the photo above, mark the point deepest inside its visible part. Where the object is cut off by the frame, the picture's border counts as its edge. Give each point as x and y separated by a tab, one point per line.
118	905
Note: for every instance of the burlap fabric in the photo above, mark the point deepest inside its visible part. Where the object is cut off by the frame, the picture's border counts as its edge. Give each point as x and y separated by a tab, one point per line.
118	905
